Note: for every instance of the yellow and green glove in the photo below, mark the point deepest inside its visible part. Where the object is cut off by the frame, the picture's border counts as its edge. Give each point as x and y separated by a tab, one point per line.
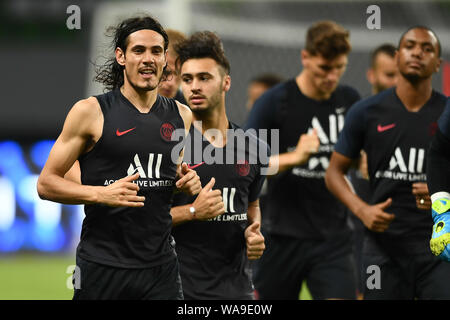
440	239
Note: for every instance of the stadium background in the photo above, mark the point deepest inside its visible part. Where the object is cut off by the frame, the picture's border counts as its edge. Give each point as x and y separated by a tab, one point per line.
47	68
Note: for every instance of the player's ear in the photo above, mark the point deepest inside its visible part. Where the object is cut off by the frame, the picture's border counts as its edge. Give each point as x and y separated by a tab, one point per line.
438	65
120	56
227	83
165	58
370	76
304	57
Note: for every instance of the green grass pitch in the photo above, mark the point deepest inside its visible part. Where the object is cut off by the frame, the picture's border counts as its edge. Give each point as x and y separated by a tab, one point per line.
35	277
44	277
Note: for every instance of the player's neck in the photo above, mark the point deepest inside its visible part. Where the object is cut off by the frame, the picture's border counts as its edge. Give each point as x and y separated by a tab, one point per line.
413	95
217	119
142	100
308	88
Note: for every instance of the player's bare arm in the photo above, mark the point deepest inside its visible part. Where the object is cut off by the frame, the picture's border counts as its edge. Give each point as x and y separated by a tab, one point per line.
74	173
307	145
82	129
373	216
253	236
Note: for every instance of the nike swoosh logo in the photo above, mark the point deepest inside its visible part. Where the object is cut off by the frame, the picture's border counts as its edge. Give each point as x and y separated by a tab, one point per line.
381	128
121	133
195	165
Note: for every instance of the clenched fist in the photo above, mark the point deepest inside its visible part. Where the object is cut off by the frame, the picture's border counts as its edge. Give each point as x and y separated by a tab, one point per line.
255	241
209	203
188	180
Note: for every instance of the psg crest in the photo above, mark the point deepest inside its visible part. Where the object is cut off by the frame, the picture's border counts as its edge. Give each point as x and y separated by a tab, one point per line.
166	131
242	167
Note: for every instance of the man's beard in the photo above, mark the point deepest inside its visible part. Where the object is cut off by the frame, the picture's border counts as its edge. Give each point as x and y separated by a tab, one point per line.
148	87
212	104
413	78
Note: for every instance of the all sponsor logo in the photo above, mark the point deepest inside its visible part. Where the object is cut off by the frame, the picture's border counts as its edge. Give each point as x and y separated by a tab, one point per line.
151	171
407	166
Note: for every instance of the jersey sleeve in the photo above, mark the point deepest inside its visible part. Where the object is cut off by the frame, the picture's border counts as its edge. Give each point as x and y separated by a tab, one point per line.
438	164
260	177
256	186
351	138
444	120
263	113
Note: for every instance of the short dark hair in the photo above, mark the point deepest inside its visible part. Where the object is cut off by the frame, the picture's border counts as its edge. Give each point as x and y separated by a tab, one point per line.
424	28
175	37
111	73
204	44
268	79
328	39
386	48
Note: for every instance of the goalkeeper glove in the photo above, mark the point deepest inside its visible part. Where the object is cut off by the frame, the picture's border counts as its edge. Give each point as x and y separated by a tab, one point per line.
440	239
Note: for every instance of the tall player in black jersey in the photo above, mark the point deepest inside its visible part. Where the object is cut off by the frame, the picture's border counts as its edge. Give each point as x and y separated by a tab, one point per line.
382	74
395	128
438	170
219	230
308	236
122	140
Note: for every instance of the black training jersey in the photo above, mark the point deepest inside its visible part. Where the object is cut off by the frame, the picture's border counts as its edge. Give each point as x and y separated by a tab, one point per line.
131	142
298	203
396	142
179	97
438	162
212	254
360	184
444	120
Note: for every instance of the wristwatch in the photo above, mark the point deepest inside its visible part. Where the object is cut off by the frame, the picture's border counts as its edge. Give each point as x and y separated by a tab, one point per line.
192	210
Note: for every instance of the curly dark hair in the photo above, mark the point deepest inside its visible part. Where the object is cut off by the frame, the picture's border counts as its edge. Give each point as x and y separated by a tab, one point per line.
110	74
204	44
328	39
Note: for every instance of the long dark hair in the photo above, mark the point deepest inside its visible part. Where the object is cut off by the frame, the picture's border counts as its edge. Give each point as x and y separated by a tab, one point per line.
110	74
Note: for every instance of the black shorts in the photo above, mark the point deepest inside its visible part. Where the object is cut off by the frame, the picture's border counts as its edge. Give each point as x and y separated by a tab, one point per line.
358	240
101	282
327	267
405	275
